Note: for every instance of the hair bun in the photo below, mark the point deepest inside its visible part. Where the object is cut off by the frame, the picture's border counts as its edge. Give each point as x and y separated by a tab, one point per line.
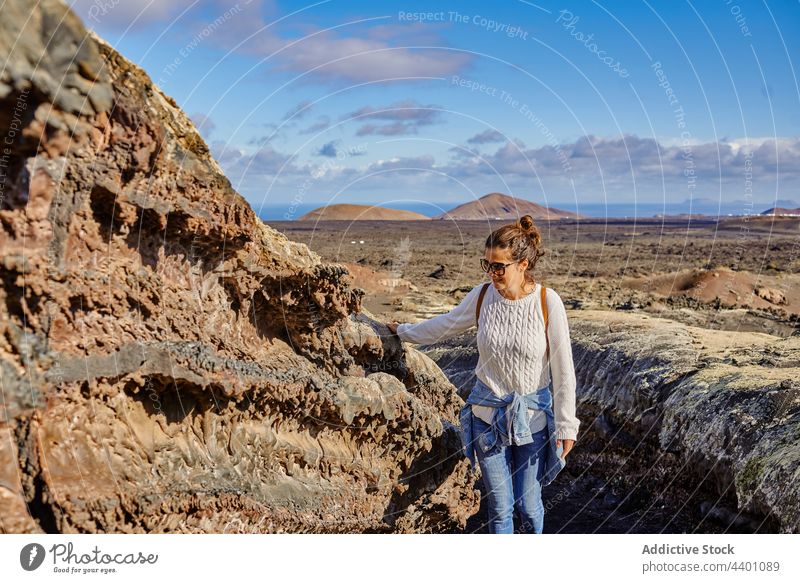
526	224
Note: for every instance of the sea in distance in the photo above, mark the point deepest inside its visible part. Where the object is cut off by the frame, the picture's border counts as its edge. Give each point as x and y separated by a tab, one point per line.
287	212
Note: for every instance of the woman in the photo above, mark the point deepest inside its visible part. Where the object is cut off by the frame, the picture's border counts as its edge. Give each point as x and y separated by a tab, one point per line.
519	435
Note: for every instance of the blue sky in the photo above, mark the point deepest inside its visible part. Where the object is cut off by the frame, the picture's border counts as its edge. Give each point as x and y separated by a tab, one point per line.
437	103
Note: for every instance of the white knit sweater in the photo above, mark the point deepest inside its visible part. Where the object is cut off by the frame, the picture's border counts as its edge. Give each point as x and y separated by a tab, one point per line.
512	349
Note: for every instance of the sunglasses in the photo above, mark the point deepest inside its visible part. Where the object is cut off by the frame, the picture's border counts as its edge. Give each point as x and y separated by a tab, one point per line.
495	267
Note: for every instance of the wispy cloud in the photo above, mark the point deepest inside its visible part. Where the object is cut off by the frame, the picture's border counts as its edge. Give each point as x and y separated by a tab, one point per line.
393	129
487	137
356	51
363	60
298	111
132	14
204	124
407	117
332	150
322	123
264	162
406	110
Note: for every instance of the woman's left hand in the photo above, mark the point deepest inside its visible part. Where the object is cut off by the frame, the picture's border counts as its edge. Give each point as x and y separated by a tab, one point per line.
567	443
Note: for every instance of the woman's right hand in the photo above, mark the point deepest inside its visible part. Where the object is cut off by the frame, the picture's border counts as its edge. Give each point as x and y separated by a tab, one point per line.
392	326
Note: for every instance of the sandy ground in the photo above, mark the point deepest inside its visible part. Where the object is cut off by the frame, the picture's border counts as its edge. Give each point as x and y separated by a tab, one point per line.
738	274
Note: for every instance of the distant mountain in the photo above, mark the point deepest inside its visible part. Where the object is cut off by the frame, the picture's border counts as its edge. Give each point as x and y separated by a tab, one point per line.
504	207
360	212
782	211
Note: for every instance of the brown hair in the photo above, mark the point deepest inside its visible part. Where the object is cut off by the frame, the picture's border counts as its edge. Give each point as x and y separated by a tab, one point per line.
522	238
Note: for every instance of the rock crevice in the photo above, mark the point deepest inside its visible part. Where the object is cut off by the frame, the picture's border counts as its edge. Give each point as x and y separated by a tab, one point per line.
685	408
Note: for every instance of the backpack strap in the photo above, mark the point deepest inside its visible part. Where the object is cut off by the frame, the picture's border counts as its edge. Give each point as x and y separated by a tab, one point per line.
480	301
544	313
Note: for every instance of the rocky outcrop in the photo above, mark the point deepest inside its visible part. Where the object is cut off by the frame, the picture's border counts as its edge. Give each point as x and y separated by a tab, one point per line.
725	407
695	416
170	363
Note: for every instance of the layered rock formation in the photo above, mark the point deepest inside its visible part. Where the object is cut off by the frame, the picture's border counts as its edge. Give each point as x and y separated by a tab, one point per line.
170	363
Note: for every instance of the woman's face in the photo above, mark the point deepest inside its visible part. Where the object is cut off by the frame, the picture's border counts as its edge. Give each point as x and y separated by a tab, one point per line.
514	276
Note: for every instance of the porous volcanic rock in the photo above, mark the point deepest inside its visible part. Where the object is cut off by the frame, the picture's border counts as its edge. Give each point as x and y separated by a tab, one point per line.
170	363
720	408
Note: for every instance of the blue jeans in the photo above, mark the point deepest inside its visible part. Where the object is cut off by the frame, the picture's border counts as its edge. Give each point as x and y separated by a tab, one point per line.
512	476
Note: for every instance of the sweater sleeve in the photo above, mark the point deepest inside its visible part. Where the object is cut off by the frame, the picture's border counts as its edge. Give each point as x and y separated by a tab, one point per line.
444	326
562	368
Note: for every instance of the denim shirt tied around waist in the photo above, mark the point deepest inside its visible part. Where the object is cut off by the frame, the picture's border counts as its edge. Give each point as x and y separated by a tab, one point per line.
512	410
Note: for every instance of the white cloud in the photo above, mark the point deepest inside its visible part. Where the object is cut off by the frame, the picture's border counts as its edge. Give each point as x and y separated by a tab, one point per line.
424	162
591	157
298	111
368	53
128	13
618	167
322	123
